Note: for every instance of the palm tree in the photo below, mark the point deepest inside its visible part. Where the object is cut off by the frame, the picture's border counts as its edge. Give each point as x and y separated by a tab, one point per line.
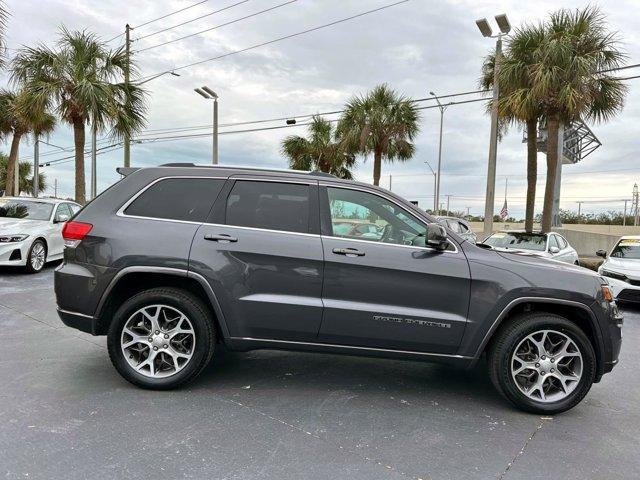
571	77
516	103
81	81
25	178
18	118
319	152
383	123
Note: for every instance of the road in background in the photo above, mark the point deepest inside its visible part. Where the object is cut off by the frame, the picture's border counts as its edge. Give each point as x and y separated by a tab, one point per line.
66	413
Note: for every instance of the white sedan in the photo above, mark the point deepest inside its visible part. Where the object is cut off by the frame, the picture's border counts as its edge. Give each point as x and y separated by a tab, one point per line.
622	268
546	245
31	230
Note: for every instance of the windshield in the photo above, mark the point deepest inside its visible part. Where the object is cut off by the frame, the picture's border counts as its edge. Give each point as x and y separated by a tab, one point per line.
11	208
627	248
520	241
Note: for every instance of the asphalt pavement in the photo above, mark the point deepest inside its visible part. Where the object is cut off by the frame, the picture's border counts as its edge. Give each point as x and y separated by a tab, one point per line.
66	414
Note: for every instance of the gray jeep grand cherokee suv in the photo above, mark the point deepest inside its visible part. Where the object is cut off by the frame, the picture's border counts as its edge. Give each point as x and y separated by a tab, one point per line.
173	261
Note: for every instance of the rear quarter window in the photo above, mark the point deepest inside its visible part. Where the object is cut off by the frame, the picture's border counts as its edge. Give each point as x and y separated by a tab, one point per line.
185	199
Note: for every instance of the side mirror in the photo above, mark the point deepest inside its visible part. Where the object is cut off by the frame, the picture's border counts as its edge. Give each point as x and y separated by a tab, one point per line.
554	250
63	217
437	236
602	253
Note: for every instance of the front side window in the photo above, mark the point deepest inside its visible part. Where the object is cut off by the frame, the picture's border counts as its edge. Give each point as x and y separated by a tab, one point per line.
553	242
269	205
185	199
63	213
27	209
374	218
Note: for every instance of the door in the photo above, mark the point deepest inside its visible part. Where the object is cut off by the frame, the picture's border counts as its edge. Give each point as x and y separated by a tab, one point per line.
262	254
389	291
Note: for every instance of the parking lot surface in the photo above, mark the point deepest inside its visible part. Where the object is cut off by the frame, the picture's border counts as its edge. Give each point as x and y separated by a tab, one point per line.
65	413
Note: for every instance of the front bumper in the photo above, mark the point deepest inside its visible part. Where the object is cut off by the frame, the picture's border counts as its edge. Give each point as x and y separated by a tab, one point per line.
14	253
624	291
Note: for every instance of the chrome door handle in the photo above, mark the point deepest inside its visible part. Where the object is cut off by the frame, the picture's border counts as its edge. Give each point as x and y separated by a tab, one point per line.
222	237
349	252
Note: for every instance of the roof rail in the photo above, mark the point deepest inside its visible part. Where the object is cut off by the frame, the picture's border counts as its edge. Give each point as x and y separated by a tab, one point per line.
124	171
238	167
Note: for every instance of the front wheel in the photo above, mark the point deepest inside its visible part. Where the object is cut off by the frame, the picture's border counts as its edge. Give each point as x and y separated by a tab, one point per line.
161	338
36	257
543	363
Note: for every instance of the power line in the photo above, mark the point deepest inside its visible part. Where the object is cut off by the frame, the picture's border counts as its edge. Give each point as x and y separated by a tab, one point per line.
190	21
279	39
172	13
255	14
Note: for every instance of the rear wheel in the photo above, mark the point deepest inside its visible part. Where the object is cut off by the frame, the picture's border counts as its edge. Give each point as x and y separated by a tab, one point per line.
542	362
161	338
36	257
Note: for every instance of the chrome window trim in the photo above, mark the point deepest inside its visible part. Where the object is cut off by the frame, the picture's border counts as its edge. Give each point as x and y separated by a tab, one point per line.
412	247
390	199
287	232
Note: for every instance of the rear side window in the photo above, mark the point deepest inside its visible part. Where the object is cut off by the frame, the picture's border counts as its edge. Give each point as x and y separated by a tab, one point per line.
269	205
186	199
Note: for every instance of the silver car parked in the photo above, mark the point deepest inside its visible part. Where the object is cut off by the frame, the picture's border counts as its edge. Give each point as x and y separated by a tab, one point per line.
459	226
547	245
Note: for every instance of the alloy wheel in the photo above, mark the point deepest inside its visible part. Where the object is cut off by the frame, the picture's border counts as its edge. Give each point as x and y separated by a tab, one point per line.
158	341
37	257
547	366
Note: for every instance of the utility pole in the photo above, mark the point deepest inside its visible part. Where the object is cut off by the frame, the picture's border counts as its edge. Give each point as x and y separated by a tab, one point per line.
435	187
579	209
55	188
127	70
94	134
16	177
448	198
390	182
468	214
624	217
485	29
635	204
36	166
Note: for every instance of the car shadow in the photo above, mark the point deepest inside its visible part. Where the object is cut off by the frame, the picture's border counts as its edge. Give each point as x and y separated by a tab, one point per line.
10	270
317	373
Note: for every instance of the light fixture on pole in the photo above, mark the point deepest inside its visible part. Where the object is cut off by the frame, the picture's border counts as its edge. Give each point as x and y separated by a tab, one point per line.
442	109
485	29
209	94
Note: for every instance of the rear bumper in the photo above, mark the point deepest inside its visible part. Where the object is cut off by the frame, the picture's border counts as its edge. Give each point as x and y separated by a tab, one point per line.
77	320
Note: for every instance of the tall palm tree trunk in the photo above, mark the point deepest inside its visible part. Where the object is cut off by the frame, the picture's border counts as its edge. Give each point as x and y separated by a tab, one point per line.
377	167
12	164
532	173
553	124
78	140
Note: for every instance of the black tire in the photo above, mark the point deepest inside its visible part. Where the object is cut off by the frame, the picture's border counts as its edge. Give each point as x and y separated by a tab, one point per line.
29	268
506	341
197	314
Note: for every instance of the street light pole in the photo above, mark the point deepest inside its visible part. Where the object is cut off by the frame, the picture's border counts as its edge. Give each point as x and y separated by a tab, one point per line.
442	109
209	94
127	73
94	142
485	29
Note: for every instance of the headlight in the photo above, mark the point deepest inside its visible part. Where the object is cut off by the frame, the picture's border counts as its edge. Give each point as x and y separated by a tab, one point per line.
12	238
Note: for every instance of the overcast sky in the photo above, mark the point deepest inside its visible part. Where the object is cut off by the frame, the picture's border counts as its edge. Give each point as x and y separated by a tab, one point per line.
415	47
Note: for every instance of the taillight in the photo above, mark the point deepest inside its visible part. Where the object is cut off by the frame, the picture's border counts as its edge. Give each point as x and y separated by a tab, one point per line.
75	231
